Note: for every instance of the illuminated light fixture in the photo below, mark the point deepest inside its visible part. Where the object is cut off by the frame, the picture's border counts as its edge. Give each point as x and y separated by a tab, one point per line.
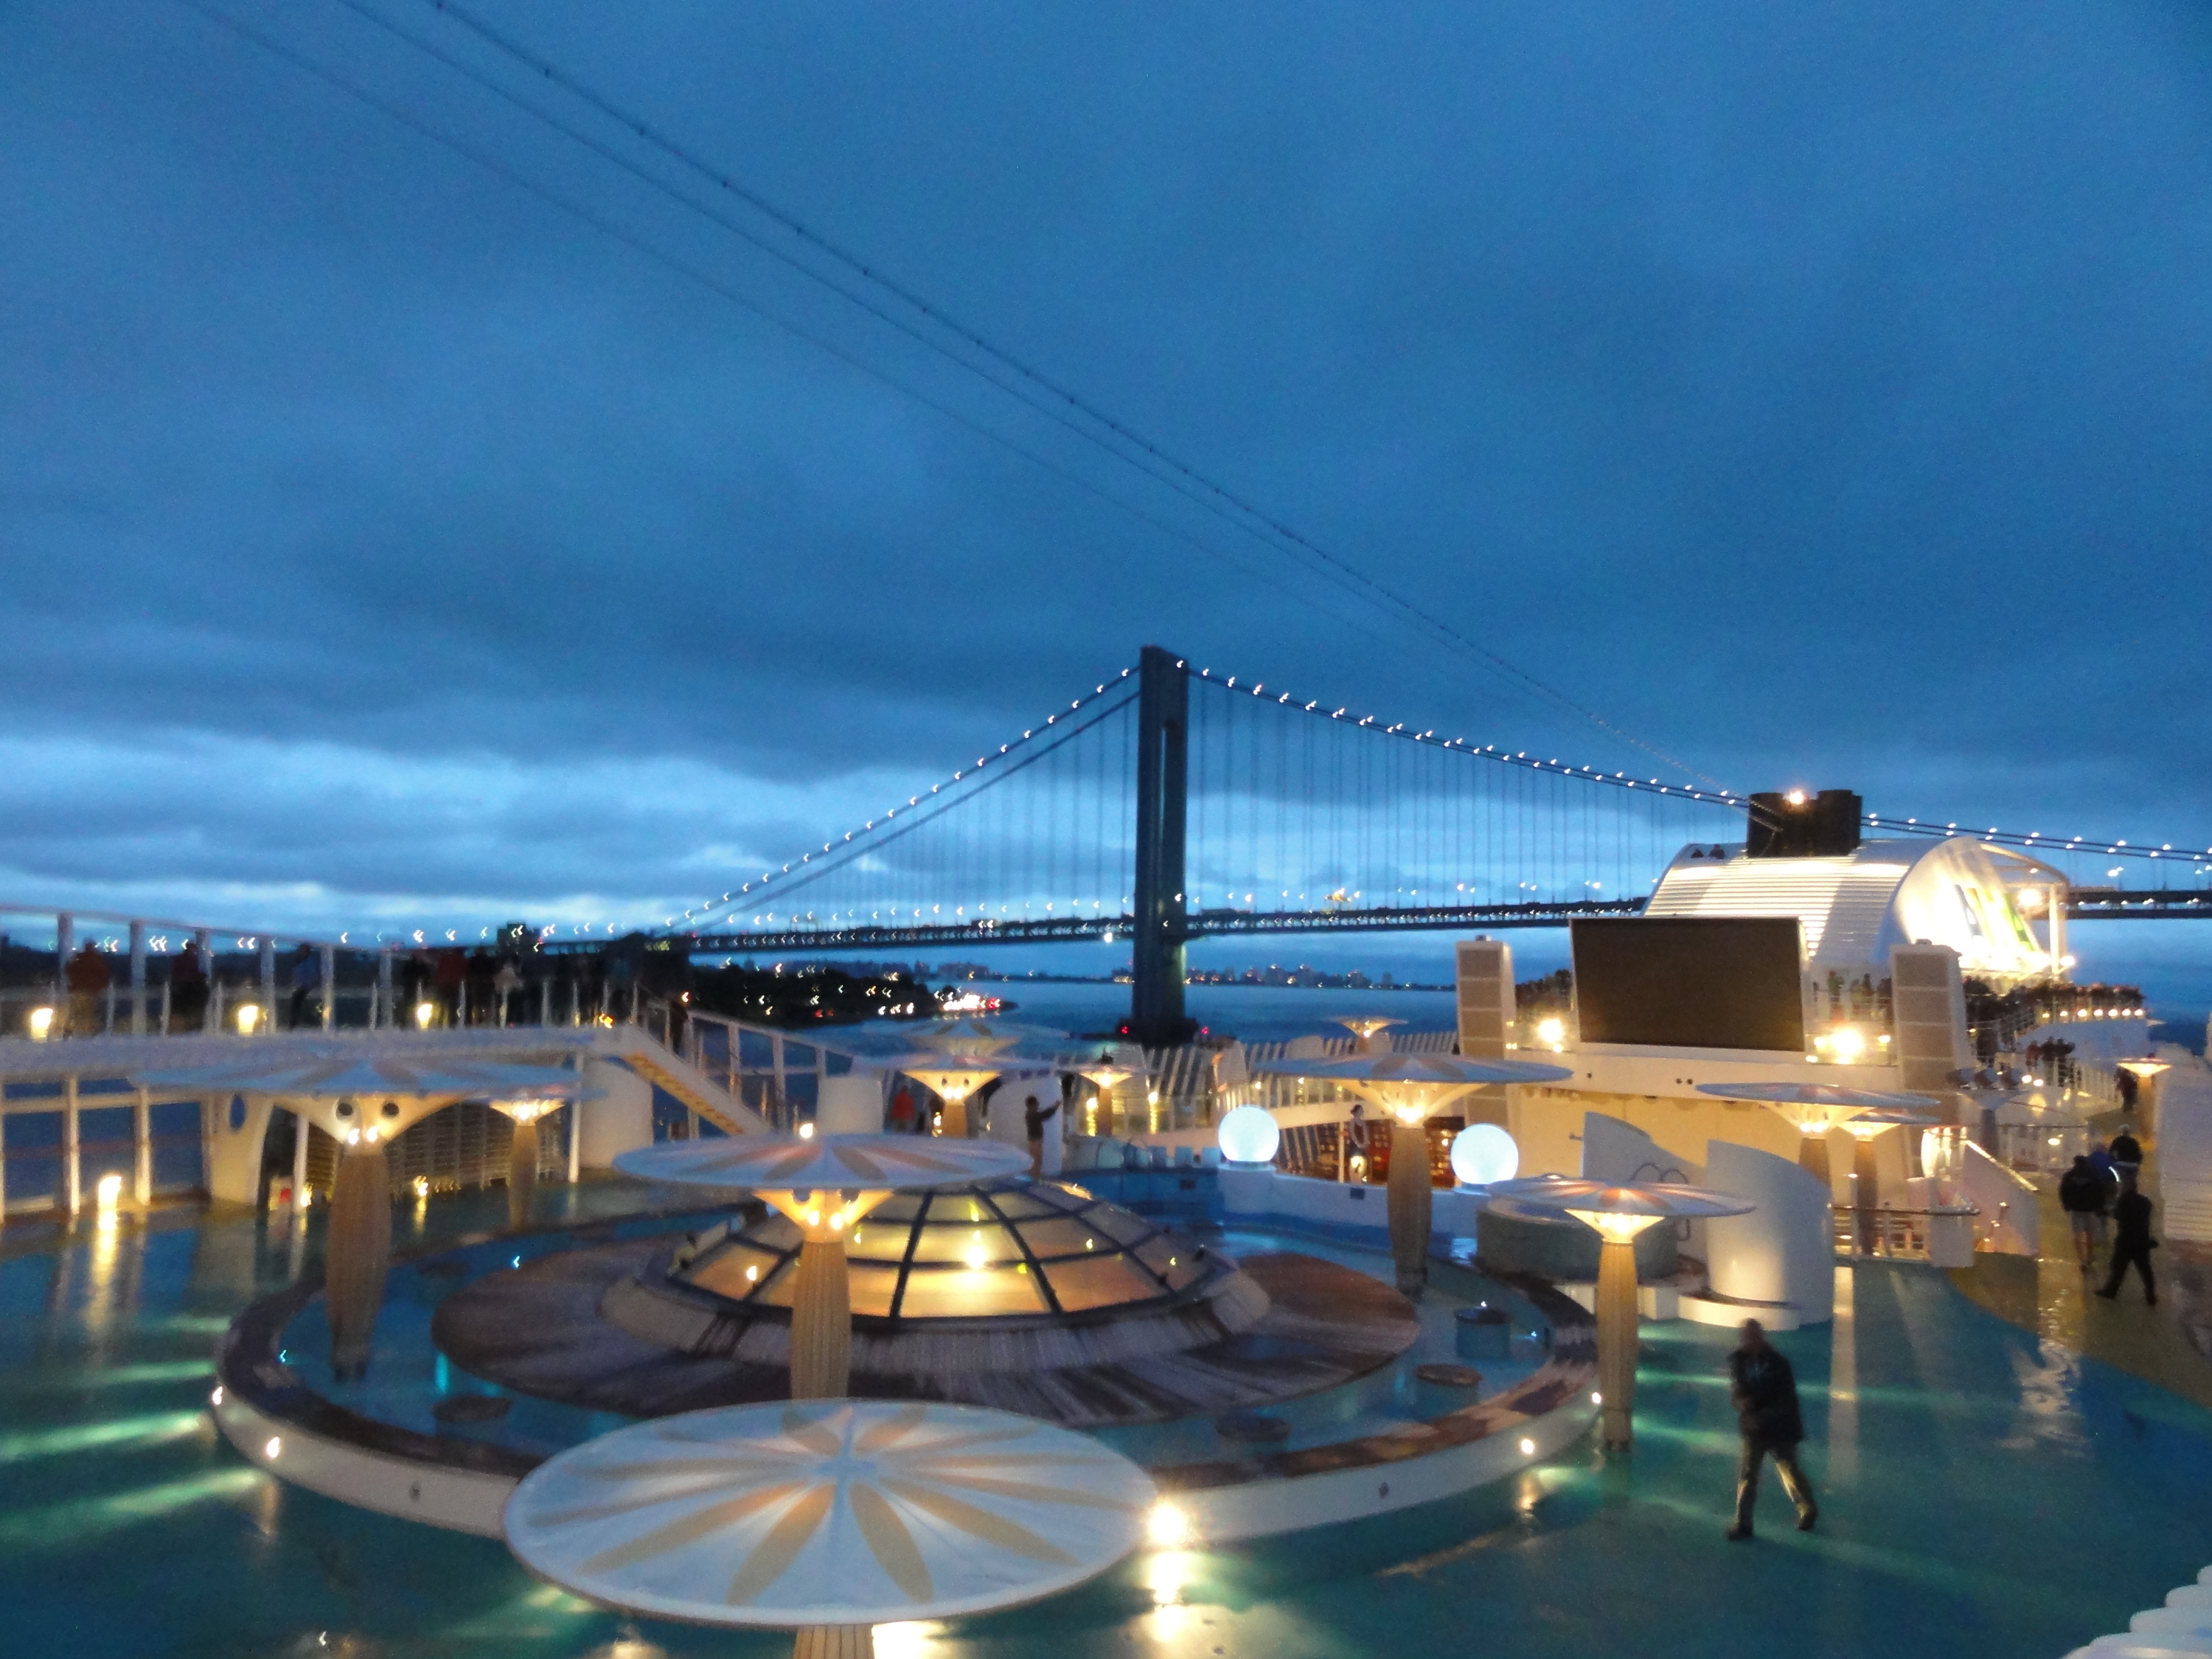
1248	1134
806	1131
40	1022
1597	1396
1847	1044
1618	1214
1552	1033
248	1016
1795	797
1482	1153
1527	1447
274	1449
108	1194
424	1013
421	1186
216	1399
1167	1526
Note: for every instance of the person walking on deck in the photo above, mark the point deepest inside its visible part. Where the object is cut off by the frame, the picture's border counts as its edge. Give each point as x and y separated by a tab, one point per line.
1764	1390
2127	1151
2131	1241
2082	1194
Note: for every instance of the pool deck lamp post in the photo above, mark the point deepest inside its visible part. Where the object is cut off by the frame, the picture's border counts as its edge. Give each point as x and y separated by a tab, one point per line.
951	1079
1814	1108
826	1184
1412	1088
1617	1214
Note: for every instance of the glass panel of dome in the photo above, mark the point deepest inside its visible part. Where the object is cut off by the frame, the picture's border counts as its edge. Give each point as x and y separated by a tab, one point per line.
959	1207
958	1293
1187	1270
1119	1225
1017	1204
1063	1236
776	1288
1164	1251
873	1286
878	1243
967	1244
735	1272
778	1232
899	1206
1099	1281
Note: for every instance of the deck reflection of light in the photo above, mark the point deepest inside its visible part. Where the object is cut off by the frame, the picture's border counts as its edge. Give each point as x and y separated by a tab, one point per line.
152	1427
60	1525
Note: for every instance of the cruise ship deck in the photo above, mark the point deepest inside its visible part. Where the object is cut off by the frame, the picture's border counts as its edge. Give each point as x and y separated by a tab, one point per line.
1986	1487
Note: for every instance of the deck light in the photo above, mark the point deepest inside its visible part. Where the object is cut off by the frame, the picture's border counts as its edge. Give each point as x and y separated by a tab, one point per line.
1618	1214
249	1016
424	1013
1166	1527
109	1192
41	1022
1527	1447
274	1449
1551	1033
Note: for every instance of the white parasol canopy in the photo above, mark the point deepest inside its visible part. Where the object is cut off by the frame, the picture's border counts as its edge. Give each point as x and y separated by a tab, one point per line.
823	1163
838	1512
351	1074
1579	1196
1816	1094
1415	1085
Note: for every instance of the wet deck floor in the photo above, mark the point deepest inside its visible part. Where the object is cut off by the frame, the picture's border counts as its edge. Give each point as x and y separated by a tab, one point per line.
1988	1487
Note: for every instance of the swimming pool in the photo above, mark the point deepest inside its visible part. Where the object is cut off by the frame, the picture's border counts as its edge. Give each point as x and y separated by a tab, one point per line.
1984	1493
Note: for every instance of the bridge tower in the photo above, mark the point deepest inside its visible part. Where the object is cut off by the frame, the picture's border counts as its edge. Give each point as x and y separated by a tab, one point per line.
1156	1015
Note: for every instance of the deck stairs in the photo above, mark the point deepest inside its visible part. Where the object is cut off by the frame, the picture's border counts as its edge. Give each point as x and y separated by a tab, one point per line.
637	1048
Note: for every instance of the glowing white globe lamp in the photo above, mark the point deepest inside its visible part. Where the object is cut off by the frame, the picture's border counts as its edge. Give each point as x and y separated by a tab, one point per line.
1248	1135
1482	1153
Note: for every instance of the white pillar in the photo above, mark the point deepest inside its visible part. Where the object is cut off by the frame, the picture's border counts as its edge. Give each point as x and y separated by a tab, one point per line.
576	1121
211	1015
72	1170
138	979
267	985
2059	892
142	1136
330	956
300	1162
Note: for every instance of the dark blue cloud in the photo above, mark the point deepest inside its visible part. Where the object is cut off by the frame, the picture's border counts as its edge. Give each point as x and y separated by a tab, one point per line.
1820	393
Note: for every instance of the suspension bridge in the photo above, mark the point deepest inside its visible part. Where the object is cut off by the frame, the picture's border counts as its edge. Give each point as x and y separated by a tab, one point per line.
1171	804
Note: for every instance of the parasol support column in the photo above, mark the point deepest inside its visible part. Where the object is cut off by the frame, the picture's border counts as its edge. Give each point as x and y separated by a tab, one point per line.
522	1173
822	1291
821	1324
357	1254
953	1118
1409	1205
1617	1340
835	1642
1866	1182
1812	1154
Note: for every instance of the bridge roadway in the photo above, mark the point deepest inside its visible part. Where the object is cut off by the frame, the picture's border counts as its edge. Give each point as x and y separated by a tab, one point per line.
2089	905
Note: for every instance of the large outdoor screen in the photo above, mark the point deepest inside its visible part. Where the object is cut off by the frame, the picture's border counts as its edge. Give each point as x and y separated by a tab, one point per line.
1690	982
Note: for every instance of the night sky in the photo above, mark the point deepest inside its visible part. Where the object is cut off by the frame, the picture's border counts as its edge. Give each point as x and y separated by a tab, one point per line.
1818	393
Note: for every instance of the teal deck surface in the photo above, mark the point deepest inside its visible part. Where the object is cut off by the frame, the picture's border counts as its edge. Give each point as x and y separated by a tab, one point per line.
1984	1493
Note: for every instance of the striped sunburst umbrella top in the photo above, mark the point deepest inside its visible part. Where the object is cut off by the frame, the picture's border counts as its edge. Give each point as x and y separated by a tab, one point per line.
823	1163
827	1512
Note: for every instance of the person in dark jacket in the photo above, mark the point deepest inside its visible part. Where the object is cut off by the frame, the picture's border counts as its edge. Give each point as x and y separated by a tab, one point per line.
1764	1390
2131	1241
2127	1151
2082	1194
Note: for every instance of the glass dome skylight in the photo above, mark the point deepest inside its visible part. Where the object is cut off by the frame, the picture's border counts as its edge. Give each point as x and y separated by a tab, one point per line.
993	1250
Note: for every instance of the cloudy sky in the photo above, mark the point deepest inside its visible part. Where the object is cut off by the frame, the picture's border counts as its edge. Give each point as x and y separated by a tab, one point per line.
409	512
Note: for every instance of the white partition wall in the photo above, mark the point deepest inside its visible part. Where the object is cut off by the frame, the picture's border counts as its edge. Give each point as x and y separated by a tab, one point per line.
1784	1250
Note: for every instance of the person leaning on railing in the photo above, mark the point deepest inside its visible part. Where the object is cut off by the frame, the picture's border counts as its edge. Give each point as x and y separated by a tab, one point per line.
86	978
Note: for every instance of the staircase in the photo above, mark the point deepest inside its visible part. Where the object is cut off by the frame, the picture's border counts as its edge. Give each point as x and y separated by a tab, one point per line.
656	1065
